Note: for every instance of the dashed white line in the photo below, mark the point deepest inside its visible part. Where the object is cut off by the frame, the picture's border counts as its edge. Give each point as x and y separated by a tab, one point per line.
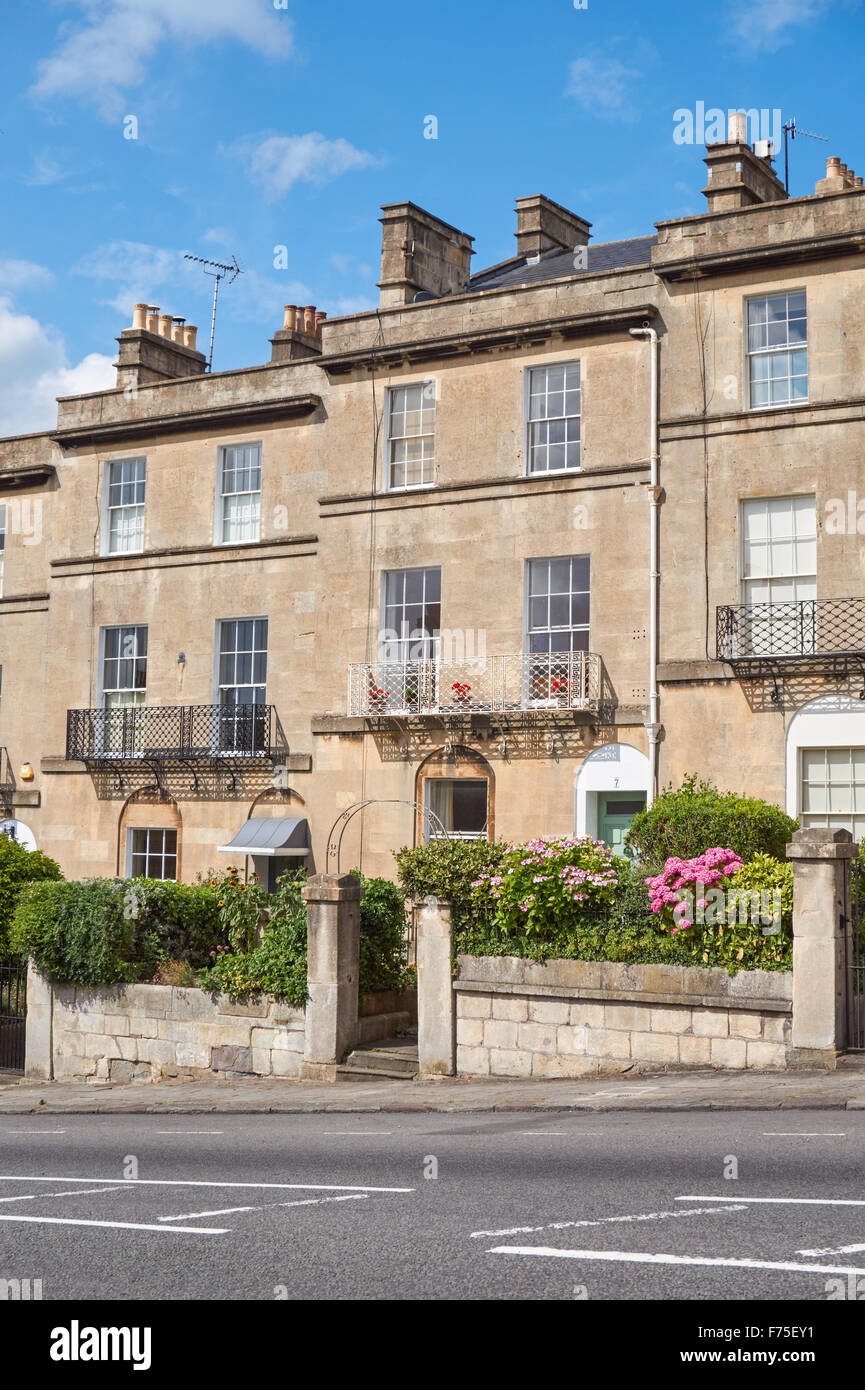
606	1221
783	1201
839	1250
803	1134
198	1182
640	1257
189	1131
33	1131
117	1225
78	1192
307	1202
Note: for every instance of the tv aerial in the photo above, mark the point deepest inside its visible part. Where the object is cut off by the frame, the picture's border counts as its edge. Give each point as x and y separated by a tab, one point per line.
219	272
794	130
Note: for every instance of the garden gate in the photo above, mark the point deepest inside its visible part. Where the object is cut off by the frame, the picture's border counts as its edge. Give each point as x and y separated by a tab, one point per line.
13	1014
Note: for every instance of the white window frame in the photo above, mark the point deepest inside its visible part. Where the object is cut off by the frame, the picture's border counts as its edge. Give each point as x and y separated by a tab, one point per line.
103	632
430	782
435	642
147	831
107	509
528	471
219	510
830	819
747	581
389	486
772	351
217	652
527	629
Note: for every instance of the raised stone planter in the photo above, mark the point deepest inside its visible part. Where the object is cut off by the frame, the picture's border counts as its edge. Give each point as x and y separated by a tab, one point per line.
585	1018
148	1032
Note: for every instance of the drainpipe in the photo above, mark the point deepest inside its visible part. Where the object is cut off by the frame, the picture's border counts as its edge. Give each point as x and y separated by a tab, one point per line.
652	725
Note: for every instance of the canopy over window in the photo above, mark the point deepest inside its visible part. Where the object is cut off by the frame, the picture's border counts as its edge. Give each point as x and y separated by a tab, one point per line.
263	835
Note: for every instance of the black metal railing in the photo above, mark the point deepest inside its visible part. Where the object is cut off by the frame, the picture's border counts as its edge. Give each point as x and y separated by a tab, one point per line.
163	733
13	1014
7	777
810	628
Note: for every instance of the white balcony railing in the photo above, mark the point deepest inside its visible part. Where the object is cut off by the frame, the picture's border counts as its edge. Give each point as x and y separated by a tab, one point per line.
482	685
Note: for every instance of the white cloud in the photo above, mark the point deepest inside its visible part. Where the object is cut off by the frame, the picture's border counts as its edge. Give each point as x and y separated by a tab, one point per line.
35	369
603	86
763	23
276	162
104	56
17	275
220	236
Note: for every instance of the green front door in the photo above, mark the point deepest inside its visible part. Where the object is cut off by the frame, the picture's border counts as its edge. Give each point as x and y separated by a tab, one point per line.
616	810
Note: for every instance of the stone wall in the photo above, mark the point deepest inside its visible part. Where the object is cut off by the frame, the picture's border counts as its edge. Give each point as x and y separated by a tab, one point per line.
584	1018
150	1032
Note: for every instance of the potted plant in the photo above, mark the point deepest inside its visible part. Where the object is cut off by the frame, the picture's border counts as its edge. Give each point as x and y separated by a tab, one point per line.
378	699
461	694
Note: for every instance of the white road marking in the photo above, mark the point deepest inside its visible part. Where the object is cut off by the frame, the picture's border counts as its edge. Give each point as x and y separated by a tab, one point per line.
607	1220
642	1258
34	1131
804	1134
117	1225
189	1131
198	1182
307	1202
840	1250
78	1192
783	1201
353	1132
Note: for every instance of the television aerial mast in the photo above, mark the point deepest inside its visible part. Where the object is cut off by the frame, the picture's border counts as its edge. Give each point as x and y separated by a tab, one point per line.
219	272
794	130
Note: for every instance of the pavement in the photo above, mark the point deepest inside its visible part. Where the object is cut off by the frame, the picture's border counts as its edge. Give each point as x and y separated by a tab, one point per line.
843	1089
524	1205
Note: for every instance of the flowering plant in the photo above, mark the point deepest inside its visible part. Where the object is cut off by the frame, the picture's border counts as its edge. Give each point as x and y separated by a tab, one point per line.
561	686
681	886
462	690
378	697
547	884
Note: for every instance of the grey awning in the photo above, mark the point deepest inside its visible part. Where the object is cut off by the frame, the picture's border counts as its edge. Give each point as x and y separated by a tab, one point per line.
266	835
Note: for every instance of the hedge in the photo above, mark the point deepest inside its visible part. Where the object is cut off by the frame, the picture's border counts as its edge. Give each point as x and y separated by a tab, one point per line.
18	867
685	821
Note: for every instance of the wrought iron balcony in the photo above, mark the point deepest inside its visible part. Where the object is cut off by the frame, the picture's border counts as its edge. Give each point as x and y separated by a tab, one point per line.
515	683
167	733
813	634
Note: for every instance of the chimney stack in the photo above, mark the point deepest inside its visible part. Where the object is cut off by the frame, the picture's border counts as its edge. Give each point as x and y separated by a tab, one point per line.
738	177
839	179
543	225
300	335
420	256
158	347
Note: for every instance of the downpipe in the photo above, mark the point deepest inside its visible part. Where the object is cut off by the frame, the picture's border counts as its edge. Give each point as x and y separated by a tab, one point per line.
653	725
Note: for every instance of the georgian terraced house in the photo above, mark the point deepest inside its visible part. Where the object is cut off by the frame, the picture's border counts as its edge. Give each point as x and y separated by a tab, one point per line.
501	557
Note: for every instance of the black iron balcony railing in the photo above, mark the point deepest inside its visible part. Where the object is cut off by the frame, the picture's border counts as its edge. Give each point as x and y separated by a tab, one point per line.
810	629
163	733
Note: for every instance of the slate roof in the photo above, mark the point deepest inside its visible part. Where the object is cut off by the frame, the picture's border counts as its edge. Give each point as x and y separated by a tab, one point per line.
605	255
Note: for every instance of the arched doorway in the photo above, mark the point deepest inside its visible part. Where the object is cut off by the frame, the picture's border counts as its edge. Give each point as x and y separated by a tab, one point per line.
612	787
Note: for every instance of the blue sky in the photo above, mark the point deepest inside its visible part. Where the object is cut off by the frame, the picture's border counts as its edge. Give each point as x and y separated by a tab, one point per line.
268	123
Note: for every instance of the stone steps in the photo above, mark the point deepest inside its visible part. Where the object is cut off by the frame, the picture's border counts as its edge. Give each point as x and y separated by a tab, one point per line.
395	1058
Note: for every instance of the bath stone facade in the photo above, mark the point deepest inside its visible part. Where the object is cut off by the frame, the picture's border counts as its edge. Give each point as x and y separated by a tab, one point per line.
406	560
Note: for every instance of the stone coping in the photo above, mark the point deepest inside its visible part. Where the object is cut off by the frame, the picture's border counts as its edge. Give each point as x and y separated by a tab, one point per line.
634	981
617	996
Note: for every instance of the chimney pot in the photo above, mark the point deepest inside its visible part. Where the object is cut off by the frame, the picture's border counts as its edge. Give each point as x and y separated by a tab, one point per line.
165	322
737	128
153	318
177	330
309	320
189	333
289	317
320	318
139	316
857	182
833	167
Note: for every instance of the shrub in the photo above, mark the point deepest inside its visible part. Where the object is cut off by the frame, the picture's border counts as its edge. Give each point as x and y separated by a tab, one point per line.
17	867
447	869
546	886
103	931
683	821
382	935
276	965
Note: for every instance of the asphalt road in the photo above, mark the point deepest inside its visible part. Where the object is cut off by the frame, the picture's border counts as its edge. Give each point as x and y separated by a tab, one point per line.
611	1206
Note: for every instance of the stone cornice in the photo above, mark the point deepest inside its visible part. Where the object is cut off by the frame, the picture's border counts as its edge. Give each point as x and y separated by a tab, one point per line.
213	417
